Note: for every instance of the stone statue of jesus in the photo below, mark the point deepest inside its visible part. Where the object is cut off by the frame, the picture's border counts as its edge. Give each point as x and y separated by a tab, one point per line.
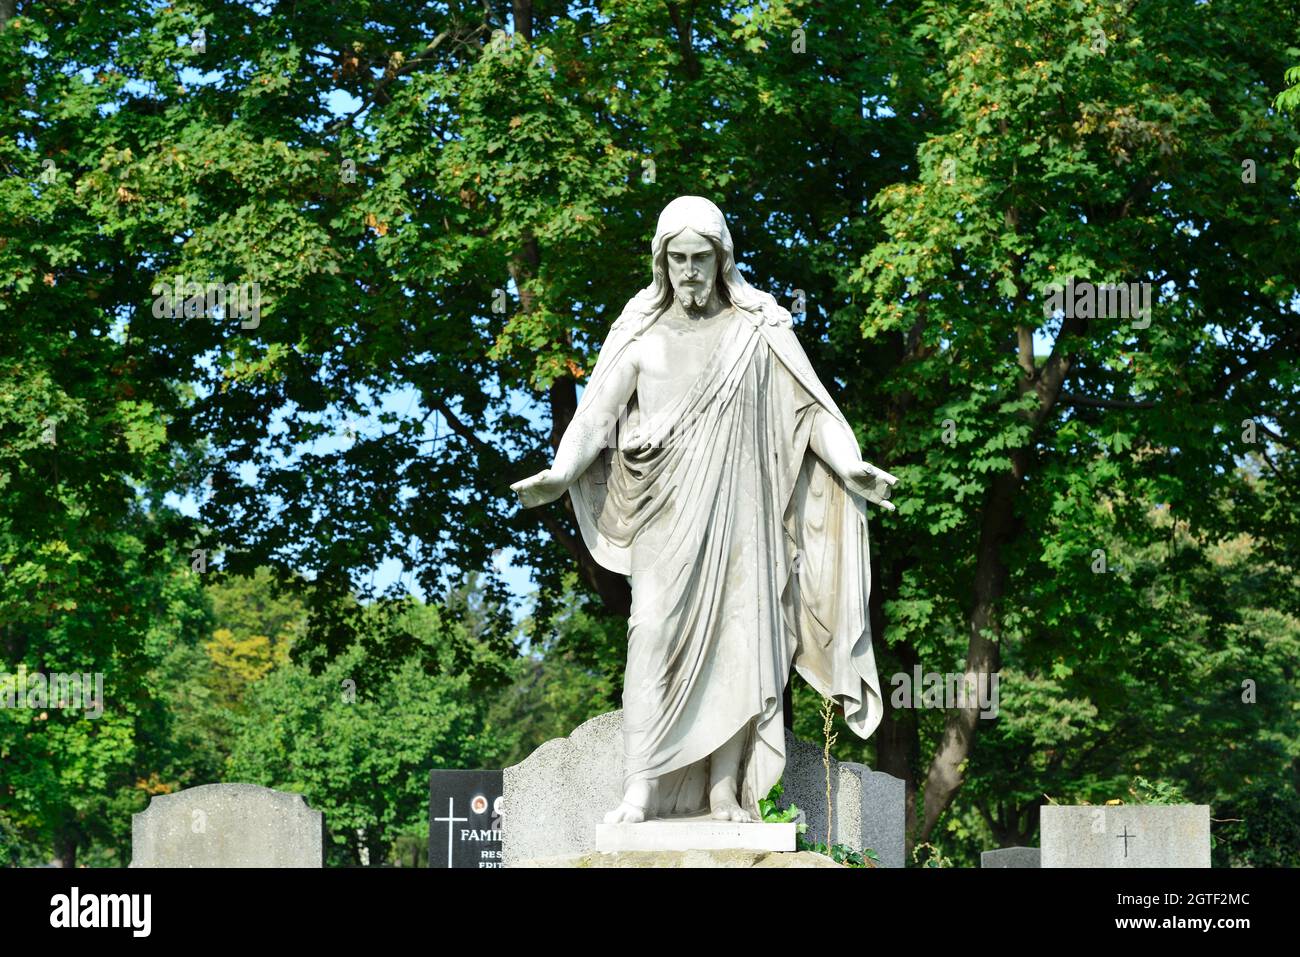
706	461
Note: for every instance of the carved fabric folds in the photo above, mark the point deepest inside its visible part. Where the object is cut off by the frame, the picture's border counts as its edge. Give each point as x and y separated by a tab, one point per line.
746	553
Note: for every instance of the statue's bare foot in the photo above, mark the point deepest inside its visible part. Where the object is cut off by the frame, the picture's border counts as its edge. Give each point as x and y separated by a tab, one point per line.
632	809
725	808
723	767
625	813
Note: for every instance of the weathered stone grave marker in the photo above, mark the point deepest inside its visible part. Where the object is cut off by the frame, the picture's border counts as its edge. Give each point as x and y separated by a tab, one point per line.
1125	835
228	825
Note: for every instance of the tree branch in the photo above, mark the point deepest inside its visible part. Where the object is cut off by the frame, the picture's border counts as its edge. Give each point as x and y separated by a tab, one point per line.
408	66
684	45
1070	399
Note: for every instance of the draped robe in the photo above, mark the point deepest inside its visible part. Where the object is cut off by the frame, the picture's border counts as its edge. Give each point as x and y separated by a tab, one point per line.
746	554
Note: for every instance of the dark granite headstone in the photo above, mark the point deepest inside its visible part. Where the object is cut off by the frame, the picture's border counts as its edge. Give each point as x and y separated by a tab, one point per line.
1011	857
465	818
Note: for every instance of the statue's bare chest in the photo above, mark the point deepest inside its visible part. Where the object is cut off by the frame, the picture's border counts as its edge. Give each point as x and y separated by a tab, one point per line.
672	354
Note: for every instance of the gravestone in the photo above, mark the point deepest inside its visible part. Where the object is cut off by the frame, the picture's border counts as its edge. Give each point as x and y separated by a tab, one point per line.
1125	835
228	825
556	798
1012	857
465	819
869	808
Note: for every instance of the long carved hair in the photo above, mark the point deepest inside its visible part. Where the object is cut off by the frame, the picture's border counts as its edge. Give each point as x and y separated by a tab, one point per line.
702	216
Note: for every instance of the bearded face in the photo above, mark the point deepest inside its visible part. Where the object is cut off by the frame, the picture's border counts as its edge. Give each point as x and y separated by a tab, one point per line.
692	270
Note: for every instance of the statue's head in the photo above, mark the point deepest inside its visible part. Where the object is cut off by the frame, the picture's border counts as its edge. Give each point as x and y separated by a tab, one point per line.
693	261
692	254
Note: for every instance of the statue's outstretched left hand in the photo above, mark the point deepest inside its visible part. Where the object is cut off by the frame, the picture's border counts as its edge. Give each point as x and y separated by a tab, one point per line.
545	486
871	483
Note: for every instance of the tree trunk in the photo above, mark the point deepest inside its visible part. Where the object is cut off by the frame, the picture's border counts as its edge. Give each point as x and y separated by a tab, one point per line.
683	25
523	14
898	743
997	528
65	847
1011	826
982	657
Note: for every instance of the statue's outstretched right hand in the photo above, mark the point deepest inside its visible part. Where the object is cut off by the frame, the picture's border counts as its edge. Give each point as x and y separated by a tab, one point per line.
545	486
871	483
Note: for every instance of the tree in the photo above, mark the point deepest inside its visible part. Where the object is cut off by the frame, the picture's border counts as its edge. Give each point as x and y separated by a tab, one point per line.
1071	144
71	778
567	675
358	743
92	566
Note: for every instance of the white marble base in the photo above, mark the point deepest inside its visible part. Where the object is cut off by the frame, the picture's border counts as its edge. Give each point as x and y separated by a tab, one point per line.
694	835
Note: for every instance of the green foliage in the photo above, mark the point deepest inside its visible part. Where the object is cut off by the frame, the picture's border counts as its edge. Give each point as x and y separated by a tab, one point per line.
1155	707
1289	101
1258	825
933	857
1155	792
358	740
569	673
842	854
71	781
773	814
1075	142
365	760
